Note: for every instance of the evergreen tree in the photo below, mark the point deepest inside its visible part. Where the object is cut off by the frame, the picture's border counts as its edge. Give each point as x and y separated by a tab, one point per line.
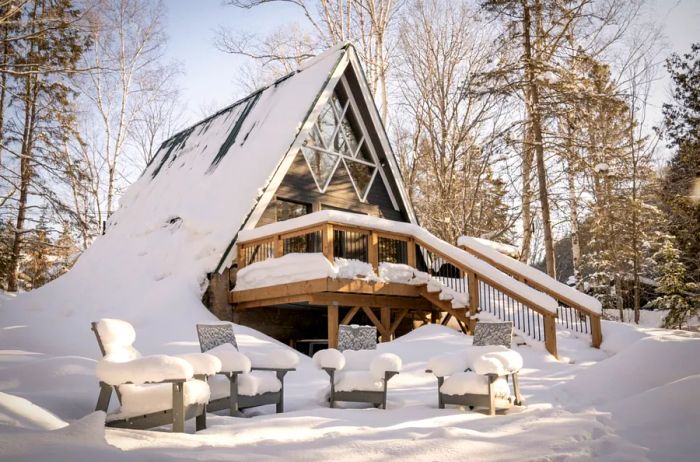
682	131
673	289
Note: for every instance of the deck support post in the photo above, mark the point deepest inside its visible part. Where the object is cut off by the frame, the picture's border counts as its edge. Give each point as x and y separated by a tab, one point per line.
327	242
332	326
385	314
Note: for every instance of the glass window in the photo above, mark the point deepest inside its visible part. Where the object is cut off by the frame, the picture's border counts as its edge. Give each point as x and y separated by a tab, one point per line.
333	138
289	209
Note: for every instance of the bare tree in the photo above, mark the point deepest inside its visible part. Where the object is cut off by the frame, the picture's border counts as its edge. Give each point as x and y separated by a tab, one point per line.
455	123
368	23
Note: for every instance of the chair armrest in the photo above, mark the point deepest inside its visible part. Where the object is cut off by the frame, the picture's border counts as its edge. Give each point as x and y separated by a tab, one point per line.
383	364
274	369
203	363
329	359
278	359
148	369
389	374
446	365
232	361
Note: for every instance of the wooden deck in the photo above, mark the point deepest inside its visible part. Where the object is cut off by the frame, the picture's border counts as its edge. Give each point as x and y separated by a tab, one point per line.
479	289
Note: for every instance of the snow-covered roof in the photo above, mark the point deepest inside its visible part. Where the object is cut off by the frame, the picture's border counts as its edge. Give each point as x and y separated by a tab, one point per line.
178	219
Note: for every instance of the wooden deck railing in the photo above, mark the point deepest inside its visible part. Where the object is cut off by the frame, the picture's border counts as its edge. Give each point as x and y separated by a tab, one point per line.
482	291
572	314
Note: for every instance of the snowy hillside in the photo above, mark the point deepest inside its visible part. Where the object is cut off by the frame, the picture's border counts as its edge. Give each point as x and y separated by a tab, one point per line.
637	399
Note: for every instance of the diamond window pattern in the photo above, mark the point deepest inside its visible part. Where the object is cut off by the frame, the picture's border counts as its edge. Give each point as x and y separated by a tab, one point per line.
333	139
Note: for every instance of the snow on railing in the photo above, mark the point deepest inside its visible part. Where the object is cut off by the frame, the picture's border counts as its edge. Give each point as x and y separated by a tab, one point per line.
376	240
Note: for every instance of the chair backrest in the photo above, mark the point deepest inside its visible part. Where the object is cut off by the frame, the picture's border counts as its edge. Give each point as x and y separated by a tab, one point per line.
116	339
213	335
493	333
354	337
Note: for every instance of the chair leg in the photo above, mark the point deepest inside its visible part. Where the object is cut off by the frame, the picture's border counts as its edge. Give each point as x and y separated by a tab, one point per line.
492	399
178	407
201	419
104	397
516	389
441	402
331	400
233	395
280	403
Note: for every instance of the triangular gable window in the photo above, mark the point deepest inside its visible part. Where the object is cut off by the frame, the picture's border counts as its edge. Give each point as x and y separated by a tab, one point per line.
333	138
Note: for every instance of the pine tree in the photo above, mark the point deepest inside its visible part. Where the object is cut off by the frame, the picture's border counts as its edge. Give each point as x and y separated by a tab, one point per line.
674	291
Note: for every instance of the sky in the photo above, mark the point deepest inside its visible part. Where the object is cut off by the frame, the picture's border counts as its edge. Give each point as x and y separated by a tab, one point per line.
209	80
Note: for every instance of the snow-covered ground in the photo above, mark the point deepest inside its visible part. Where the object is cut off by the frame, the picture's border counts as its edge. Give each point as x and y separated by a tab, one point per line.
637	399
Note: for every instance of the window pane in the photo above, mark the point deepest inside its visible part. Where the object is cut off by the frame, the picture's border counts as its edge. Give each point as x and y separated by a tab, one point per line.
289	209
321	164
364	154
349	136
361	174
327	122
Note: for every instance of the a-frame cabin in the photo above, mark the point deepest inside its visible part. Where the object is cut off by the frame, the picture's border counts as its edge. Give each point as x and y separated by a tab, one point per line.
304	166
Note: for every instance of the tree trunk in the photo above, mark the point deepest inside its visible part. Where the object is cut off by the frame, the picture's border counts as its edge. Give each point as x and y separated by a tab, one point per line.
575	241
25	179
535	120
527	197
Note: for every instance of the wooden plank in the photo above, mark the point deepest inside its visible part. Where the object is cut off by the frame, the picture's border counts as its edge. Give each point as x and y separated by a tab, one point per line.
397	320
349	299
385	314
327	242
282	290
373	250
550	335
332	326
372	317
375	288
351	314
273	301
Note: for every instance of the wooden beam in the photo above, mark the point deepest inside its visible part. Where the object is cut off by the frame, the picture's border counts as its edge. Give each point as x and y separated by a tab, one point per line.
372	317
349	299
351	314
332	326
376	288
385	314
397	320
281	290
273	301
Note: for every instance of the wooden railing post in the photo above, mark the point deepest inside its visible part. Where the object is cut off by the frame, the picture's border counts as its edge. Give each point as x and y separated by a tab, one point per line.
241	256
411	253
550	334
596	331
373	250
277	249
327	241
473	287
